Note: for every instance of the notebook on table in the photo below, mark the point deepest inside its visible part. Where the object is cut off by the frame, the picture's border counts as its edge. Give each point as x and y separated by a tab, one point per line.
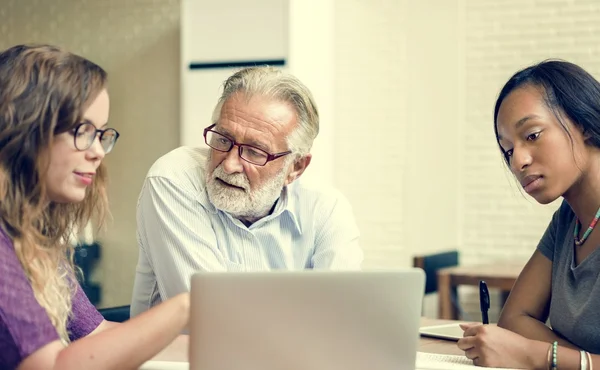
444	331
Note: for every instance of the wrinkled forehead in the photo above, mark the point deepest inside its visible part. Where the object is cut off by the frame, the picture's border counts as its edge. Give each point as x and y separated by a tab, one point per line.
257	116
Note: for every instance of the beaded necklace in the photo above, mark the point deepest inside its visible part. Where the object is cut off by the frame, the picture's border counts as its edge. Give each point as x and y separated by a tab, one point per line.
578	241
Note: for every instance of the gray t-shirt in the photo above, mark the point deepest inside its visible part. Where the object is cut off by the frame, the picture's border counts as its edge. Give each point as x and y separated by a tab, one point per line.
575	301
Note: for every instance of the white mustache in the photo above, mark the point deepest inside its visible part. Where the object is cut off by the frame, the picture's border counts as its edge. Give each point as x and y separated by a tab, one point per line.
238	179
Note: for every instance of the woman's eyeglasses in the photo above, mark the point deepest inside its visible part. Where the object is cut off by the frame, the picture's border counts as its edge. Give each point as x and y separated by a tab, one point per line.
85	134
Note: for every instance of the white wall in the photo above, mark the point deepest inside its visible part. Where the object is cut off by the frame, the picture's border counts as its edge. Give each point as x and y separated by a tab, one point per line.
223	31
405	88
312	60
236	30
387	76
406	91
500	222
367	66
397	111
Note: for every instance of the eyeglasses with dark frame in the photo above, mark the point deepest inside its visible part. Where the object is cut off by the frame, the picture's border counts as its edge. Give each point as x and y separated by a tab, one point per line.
249	153
85	133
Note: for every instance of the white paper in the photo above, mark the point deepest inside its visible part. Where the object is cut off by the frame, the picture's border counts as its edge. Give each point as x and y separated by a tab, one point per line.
165	365
434	361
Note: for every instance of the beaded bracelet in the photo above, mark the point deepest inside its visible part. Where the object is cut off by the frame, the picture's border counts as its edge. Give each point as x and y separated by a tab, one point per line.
554	357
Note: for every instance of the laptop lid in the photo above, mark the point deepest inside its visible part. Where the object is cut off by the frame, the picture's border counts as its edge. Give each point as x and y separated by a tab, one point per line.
305	320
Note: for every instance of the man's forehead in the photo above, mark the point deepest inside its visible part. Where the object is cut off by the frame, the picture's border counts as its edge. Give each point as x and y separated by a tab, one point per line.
257	116
248	135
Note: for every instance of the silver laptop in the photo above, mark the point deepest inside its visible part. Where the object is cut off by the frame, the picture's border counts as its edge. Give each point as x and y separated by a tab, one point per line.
305	320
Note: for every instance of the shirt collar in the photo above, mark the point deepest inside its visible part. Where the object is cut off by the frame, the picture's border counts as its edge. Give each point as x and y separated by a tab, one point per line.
288	203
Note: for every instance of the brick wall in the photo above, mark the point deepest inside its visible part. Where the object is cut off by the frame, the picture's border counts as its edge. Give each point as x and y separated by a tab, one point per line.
502	37
415	84
500	221
422	77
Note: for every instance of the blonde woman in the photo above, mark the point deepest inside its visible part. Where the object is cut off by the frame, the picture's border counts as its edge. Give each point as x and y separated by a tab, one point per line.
54	110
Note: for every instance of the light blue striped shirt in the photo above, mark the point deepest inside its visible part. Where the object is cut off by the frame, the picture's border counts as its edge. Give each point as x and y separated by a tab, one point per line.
179	232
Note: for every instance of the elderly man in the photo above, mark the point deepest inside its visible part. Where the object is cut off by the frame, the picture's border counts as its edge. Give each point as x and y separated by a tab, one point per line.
236	205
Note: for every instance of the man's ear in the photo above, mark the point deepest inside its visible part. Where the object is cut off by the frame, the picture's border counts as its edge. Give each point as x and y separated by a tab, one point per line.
299	166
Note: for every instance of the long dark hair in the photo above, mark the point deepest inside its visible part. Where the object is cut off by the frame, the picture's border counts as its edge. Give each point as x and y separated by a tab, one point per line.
568	90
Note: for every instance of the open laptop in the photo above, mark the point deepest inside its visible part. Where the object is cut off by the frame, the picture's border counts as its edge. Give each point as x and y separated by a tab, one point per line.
305	320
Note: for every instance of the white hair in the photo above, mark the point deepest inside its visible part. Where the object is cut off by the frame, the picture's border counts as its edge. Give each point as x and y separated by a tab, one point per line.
271	82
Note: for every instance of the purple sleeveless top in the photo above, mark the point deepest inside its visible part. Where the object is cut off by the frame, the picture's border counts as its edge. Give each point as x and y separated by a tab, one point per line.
24	325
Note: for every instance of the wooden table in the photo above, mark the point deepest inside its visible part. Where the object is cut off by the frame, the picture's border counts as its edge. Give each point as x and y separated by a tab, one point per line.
178	351
501	276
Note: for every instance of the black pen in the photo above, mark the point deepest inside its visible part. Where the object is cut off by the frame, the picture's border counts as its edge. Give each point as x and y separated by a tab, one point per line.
484	301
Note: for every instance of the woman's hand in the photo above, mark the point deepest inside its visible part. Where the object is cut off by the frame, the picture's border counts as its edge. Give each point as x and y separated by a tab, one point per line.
491	346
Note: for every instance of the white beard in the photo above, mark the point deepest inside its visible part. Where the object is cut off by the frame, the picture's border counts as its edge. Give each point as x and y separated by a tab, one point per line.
242	203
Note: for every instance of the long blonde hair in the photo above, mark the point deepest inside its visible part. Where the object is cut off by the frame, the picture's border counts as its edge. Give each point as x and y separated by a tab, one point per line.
44	91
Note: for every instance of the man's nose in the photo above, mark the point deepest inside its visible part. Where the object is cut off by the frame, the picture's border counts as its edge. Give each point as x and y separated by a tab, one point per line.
232	162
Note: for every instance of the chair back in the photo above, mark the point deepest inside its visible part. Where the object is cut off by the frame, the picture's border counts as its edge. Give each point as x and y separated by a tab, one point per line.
432	263
115	314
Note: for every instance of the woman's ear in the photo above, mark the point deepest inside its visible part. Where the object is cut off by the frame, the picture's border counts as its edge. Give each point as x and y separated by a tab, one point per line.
299	166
